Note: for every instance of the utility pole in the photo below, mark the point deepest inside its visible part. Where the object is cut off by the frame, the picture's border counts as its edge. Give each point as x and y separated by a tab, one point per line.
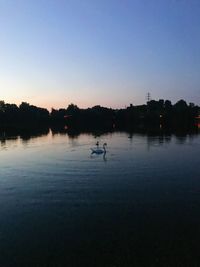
148	97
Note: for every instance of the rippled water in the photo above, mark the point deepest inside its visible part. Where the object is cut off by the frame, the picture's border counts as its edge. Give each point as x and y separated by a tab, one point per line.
138	205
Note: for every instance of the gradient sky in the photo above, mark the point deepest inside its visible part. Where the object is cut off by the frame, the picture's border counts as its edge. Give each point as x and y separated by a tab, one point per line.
107	52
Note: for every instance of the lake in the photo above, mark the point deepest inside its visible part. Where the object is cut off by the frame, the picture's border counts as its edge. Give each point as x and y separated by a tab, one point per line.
136	205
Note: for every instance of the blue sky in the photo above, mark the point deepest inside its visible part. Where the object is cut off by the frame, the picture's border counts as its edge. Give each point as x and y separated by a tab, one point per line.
105	52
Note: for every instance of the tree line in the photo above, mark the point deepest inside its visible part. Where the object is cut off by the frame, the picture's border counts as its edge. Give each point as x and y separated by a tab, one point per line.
161	112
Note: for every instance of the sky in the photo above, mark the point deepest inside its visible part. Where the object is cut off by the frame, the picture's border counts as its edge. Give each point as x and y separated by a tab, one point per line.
99	52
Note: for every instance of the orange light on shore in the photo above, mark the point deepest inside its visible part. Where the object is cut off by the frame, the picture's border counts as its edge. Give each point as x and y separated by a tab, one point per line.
67	116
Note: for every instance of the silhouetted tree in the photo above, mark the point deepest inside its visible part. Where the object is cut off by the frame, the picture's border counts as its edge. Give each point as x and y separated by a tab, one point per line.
154	113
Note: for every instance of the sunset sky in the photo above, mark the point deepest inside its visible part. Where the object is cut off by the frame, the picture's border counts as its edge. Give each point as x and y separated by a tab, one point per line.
107	52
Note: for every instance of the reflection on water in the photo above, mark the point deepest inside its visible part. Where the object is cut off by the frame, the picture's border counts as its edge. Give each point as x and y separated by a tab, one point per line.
136	205
152	138
103	156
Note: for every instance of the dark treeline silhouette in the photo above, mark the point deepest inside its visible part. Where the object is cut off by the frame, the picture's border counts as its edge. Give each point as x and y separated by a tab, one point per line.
152	114
22	115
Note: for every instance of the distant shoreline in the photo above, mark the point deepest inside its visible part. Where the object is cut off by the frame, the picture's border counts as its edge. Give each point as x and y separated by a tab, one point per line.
154	113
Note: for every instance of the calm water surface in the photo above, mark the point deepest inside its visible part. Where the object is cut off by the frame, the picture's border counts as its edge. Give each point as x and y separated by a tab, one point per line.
139	205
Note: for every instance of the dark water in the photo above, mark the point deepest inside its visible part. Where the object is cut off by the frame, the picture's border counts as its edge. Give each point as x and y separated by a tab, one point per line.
139	205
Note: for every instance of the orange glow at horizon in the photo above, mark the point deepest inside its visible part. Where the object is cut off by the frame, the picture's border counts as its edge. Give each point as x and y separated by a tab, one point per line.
57	103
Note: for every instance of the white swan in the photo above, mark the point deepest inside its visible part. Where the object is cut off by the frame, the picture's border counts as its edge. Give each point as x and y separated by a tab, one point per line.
99	150
97	143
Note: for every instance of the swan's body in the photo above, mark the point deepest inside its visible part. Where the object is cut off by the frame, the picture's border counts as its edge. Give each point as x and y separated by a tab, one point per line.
98	150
